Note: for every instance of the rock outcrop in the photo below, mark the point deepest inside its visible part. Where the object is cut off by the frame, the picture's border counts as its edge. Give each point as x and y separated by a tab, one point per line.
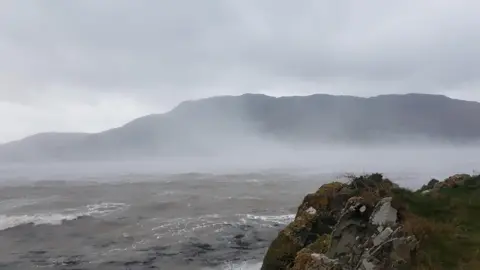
372	224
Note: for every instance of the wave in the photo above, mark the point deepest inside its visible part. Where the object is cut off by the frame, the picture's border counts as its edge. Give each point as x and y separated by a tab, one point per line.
7	222
280	219
238	266
244	266
188	226
11	221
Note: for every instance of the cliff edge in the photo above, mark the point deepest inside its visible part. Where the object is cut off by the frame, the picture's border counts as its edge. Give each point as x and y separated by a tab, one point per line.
371	223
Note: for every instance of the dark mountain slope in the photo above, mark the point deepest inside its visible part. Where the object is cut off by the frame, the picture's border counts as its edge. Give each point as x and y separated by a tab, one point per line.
238	123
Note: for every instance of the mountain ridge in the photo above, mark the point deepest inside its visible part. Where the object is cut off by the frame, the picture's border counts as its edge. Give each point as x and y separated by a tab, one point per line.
206	126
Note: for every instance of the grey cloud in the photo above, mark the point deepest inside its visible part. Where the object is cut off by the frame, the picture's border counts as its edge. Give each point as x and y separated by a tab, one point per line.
176	50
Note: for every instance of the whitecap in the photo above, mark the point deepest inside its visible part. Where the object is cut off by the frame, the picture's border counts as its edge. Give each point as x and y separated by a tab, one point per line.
36	219
281	219
238	266
184	226
103	208
10	221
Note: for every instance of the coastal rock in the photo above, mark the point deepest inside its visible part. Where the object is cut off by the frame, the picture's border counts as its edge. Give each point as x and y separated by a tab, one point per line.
315	261
316	216
452	181
372	224
384	213
361	240
430	185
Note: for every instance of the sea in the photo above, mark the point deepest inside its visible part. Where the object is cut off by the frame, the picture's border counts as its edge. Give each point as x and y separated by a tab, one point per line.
129	216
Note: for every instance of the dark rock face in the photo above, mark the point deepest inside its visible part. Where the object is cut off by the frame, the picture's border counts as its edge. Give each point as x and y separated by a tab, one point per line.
370	223
324	205
430	185
333	220
363	240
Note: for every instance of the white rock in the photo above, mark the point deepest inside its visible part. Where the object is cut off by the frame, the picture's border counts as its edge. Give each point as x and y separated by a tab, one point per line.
368	265
318	256
363	209
323	259
384	213
383	236
311	211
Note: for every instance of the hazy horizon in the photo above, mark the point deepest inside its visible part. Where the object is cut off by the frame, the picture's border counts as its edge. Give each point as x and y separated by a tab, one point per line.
393	160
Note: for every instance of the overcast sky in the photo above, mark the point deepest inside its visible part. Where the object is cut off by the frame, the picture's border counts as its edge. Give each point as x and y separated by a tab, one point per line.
95	64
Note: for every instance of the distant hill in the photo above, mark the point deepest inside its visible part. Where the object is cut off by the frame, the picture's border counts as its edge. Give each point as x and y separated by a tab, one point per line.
252	121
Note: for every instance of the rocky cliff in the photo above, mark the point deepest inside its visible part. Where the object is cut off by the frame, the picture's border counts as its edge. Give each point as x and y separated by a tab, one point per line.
371	223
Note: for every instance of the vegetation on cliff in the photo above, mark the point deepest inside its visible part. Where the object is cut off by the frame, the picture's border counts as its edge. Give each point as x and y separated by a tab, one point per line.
371	223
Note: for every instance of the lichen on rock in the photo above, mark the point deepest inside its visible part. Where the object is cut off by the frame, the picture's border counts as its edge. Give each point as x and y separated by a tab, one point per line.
307	227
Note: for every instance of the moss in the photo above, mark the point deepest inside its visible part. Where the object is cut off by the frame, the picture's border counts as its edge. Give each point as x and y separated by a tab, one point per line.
330	188
321	245
303	260
281	253
321	200
327	202
375	180
292	239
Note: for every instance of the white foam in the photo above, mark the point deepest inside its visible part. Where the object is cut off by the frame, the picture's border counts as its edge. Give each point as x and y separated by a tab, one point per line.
281	219
245	266
103	208
10	221
37	219
186	226
238	266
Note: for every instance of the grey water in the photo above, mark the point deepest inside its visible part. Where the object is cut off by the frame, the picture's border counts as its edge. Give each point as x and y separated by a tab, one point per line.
57	216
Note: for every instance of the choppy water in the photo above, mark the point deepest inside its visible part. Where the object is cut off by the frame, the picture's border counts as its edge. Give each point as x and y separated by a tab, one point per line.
149	221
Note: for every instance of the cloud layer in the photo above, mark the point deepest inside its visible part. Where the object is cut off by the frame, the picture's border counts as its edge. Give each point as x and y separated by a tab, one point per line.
91	65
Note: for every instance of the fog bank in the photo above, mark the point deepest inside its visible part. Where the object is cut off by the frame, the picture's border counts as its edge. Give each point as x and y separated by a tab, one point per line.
423	161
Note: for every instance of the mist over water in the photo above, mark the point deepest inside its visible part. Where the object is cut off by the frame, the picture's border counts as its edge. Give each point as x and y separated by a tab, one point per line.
428	160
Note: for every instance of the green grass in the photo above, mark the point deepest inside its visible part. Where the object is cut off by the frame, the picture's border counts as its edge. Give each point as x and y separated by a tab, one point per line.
447	223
